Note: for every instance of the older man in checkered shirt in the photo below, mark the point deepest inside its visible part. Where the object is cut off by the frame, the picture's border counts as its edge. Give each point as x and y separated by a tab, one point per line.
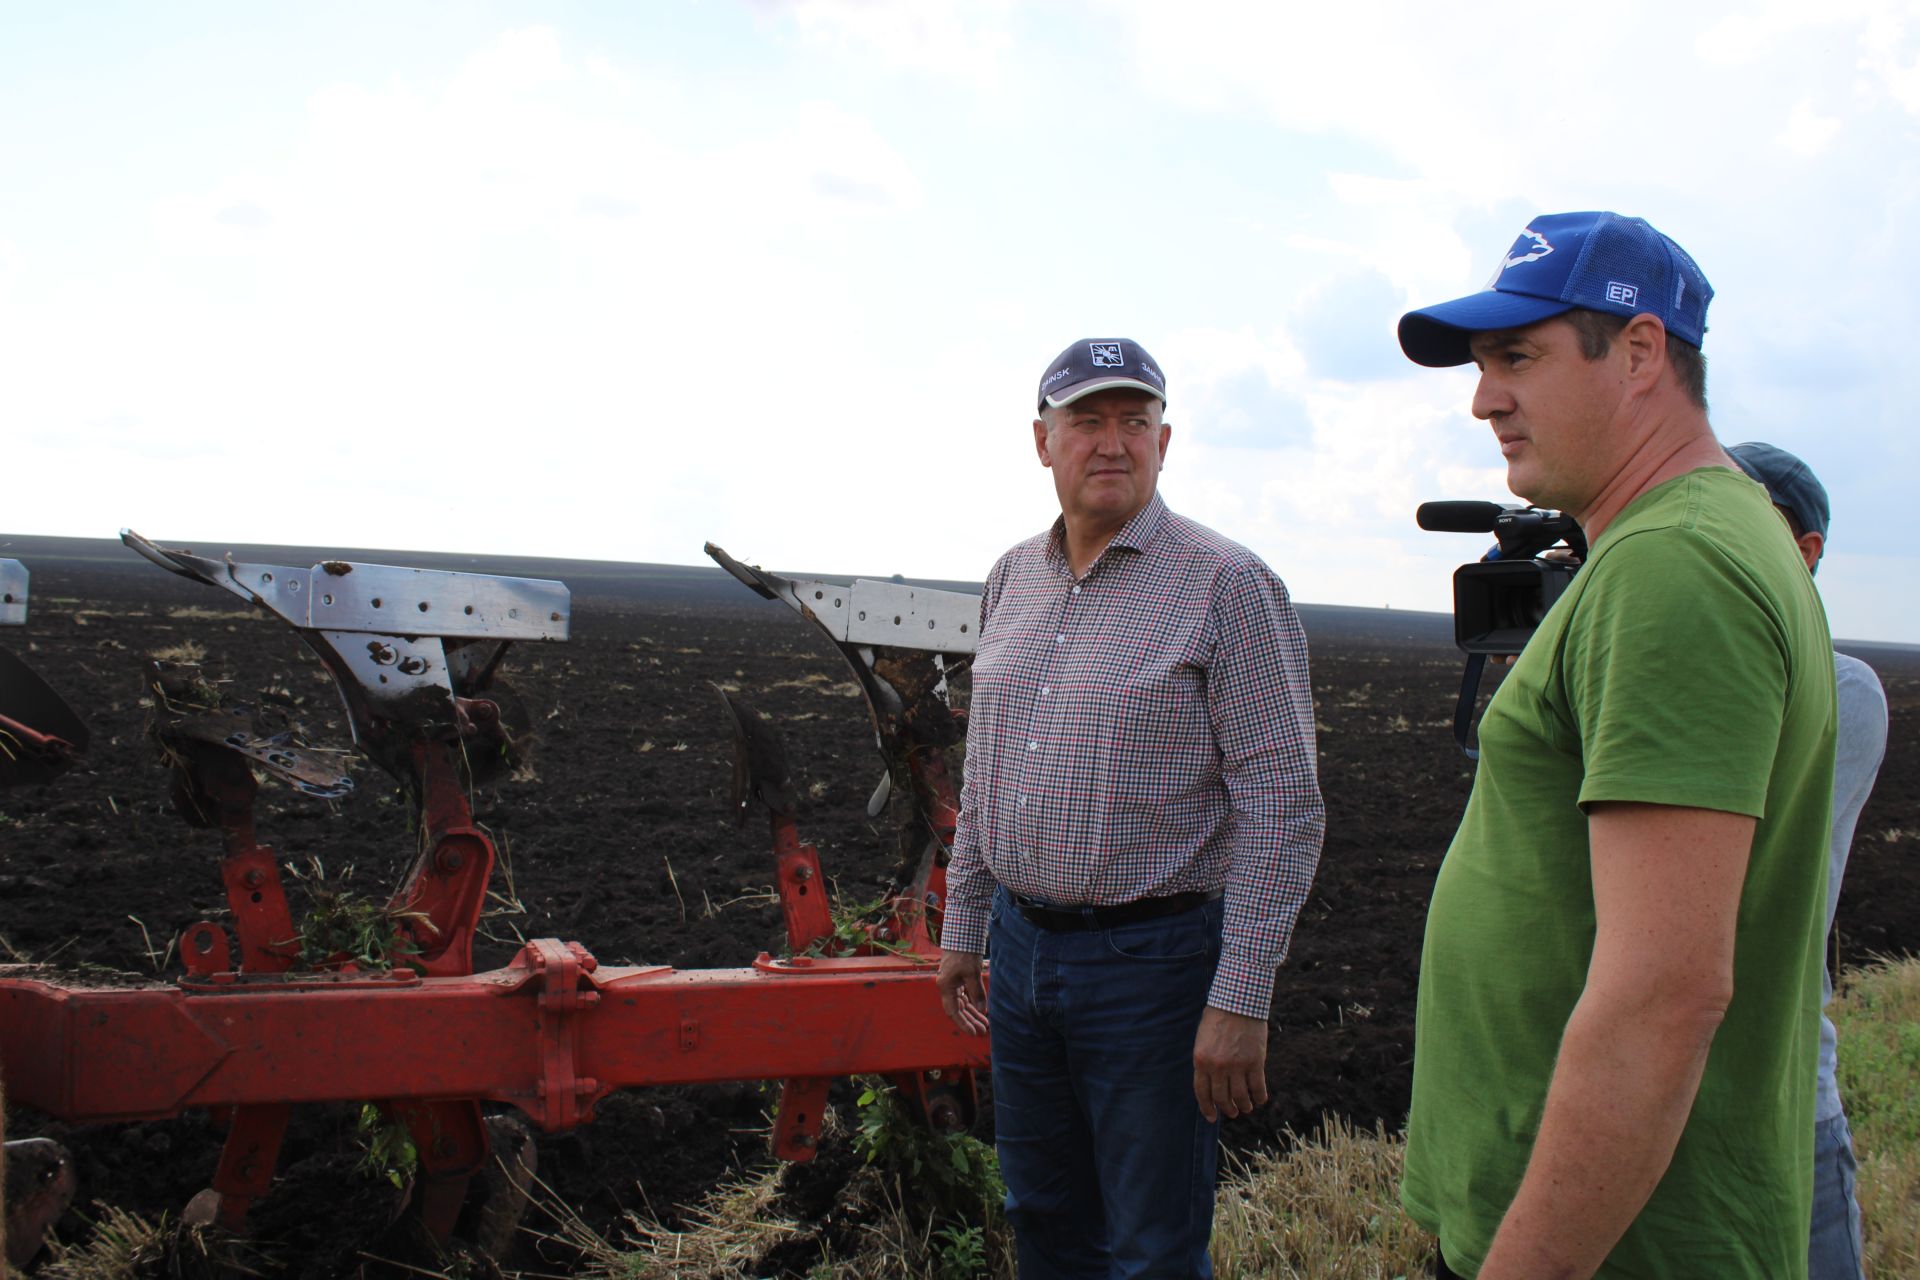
1139	828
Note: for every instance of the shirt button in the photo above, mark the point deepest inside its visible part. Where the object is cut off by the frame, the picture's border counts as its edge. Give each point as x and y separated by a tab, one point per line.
1076	591
1045	689
1033	746
1023	802
1061	638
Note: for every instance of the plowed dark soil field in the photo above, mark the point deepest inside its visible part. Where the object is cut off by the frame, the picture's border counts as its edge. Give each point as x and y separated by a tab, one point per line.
618	835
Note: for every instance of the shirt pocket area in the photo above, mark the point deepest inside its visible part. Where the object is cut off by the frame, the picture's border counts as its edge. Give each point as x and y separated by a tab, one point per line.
1163	740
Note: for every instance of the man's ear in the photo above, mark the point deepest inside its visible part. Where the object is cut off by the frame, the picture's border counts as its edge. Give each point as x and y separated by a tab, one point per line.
1812	547
1040	442
1644	342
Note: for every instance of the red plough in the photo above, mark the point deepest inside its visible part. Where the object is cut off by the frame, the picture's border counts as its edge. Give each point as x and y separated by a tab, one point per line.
246	1033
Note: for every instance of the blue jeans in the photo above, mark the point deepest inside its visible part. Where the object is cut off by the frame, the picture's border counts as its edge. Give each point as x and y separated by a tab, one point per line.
1108	1162
1833	1251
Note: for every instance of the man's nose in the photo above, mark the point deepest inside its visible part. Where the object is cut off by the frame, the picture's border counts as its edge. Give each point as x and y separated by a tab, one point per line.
1108	438
1489	401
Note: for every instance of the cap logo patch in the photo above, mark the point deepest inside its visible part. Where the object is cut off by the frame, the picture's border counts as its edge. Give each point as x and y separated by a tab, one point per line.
1106	355
1535	246
1624	294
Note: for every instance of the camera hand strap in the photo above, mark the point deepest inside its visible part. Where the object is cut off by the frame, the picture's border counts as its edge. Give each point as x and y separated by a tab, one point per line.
1463	710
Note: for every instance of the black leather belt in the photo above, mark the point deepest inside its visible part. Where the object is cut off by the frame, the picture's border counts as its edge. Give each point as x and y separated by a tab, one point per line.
1088	919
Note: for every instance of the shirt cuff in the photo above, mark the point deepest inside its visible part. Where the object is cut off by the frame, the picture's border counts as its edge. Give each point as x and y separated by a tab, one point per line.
964	929
1242	984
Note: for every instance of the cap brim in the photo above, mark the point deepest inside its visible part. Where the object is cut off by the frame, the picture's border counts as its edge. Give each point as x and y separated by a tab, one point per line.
1437	336
1102	384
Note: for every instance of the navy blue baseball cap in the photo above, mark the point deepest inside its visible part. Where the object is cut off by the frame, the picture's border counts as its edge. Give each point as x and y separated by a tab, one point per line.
1789	482
1100	364
1597	261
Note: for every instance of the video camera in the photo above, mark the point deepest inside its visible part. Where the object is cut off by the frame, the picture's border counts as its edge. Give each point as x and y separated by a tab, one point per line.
1499	599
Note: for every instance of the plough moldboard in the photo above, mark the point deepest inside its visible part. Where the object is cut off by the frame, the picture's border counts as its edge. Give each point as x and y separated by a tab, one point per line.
252	1028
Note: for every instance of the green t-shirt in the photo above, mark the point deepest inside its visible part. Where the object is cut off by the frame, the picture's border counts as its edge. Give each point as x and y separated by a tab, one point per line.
1687	664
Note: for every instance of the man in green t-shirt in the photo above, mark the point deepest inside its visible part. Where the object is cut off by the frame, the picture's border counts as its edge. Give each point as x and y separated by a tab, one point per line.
1620	983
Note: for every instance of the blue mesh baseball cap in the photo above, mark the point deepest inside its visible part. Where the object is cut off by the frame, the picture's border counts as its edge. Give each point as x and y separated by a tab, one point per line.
1789	482
1100	364
1598	261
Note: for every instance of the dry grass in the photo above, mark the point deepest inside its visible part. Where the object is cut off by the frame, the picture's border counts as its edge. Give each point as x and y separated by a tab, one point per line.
190	652
200	613
1877	1013
125	1246
816	682
897	1246
122	1245
1324	1210
730	1232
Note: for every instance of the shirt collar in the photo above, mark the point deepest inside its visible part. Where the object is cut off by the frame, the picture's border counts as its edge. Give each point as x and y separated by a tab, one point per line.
1134	535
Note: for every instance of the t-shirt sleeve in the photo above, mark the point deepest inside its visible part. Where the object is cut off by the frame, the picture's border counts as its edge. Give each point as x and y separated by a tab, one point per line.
1676	669
1860	745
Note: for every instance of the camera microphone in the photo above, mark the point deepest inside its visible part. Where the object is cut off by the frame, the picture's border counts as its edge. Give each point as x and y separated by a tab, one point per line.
1459	517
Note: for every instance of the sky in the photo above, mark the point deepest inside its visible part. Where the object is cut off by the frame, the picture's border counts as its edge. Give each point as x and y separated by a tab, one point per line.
609	280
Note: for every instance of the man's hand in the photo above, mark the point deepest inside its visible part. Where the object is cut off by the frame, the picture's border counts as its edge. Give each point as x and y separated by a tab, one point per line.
960	991
1229	1063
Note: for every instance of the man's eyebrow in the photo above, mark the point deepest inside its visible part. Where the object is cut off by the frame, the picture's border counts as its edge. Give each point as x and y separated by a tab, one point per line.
1494	339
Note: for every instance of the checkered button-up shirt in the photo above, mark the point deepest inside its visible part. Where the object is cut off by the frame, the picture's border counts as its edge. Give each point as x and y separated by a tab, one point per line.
1142	731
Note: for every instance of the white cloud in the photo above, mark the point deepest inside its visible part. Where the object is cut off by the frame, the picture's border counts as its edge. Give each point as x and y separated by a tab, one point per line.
1753	31
1556	107
1890	52
502	296
841	158
10	264
785	279
517	61
1808	133
961	40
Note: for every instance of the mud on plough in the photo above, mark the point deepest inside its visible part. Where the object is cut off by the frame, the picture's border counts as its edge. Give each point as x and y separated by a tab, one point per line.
415	655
